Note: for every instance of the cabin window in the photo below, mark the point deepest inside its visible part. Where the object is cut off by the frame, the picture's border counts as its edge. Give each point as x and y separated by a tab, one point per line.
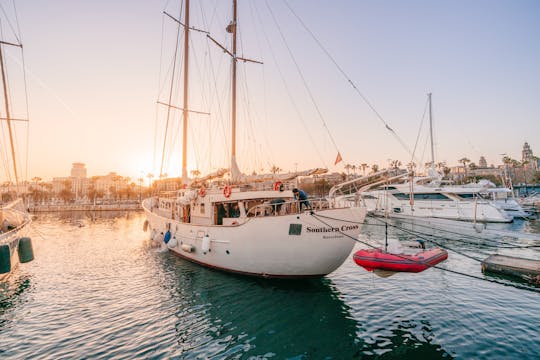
430	196
401	196
201	209
466	196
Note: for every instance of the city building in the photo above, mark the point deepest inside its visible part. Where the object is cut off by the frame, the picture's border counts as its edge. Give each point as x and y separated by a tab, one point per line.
528	159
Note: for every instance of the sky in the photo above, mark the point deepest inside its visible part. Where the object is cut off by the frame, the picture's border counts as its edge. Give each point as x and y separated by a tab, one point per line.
95	69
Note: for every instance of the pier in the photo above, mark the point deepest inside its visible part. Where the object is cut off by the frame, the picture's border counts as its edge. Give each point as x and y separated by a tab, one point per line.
526	269
121	206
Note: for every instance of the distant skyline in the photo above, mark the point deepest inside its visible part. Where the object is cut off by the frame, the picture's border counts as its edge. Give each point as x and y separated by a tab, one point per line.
93	73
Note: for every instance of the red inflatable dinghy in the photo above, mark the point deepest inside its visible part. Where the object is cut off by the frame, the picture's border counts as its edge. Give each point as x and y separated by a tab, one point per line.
372	259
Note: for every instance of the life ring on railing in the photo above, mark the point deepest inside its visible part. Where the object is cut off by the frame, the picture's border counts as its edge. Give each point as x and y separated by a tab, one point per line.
202	192
277	185
227	190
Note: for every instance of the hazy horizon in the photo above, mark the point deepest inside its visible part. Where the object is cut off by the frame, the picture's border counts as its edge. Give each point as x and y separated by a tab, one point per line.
96	69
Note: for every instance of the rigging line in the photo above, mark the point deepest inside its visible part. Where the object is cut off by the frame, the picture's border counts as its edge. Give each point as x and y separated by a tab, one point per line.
220	115
264	87
517	286
170	96
9	23
25	80
249	135
420	129
447	238
159	89
7	156
472	237
25	83
350	81
4	154
302	77
220	110
427	234
195	149
485	246
289	95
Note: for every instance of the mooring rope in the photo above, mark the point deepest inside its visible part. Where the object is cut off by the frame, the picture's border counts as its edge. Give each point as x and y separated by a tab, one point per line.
517	286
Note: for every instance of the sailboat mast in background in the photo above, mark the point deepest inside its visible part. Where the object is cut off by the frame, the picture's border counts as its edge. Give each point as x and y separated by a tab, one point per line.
185	110
431	131
8	115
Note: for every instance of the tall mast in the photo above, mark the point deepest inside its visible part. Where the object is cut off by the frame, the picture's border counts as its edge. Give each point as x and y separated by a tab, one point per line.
185	110
231	28
431	132
233	109
8	116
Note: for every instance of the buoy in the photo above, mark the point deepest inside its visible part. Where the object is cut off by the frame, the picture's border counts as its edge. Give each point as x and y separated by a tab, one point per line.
26	253
145	226
188	248
205	244
167	237
172	243
5	259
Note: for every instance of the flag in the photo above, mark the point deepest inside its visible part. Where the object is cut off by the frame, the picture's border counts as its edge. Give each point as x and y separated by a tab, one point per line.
338	158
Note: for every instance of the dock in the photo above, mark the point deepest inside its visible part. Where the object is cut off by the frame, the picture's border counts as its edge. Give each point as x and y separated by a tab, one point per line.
85	207
526	269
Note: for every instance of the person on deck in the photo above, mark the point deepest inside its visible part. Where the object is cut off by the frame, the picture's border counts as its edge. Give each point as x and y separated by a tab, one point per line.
301	197
234	210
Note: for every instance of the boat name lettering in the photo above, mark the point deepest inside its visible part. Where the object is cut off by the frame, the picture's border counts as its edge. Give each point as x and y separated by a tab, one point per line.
332	229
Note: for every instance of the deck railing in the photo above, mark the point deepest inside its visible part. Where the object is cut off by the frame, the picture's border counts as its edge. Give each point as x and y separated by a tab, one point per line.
270	208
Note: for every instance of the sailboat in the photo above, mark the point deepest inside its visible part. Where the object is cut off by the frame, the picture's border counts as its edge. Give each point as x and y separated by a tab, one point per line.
15	247
250	225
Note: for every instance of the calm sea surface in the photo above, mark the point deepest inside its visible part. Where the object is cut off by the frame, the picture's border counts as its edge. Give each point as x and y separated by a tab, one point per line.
98	289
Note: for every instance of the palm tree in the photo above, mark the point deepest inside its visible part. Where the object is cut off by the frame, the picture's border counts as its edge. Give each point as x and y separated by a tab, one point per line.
195	173
375	168
411	166
348	168
36	179
275	169
464	161
395	164
364	166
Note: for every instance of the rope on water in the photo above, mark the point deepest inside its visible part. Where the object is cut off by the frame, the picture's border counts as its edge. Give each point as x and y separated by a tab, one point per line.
517	286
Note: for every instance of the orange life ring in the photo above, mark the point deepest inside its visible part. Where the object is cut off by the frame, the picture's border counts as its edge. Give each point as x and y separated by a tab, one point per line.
277	185
227	191
202	191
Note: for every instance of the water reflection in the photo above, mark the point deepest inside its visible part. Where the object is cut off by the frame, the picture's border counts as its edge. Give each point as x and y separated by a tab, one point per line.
227	316
12	291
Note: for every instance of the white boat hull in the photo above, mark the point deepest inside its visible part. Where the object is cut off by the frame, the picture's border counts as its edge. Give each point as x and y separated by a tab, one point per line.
385	205
265	246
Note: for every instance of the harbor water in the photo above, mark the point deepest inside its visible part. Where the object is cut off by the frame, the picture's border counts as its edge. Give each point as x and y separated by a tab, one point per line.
99	289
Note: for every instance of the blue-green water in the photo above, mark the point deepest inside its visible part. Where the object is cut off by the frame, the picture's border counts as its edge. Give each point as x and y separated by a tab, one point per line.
102	291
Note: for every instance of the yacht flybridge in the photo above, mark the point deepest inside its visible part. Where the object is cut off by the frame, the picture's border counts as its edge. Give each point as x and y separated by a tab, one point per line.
427	197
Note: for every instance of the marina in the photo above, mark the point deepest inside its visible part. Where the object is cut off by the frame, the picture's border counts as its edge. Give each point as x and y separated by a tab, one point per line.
103	291
264	180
